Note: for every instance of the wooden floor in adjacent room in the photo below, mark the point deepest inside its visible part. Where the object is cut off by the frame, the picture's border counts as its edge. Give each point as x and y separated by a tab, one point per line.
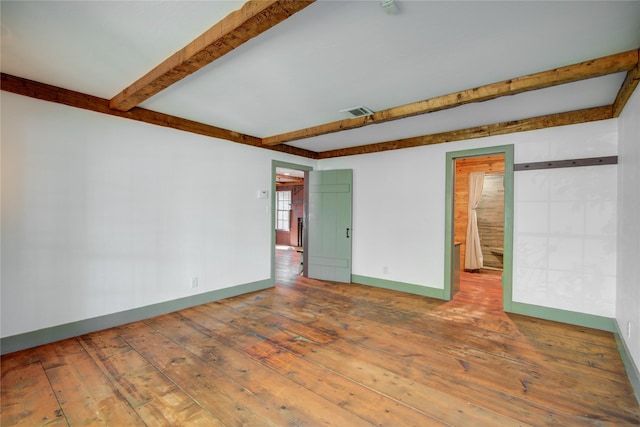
311	353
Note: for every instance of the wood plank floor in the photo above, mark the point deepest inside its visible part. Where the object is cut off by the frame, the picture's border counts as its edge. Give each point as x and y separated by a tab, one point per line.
311	353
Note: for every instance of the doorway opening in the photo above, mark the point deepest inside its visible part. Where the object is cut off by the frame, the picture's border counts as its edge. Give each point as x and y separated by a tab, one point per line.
488	222
288	207
479	220
478	224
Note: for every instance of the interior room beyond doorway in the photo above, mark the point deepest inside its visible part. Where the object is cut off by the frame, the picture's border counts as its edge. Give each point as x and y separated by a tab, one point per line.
289	207
480	279
489	209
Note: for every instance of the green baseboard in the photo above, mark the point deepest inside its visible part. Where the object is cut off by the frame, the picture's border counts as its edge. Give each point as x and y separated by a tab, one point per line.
563	316
547	313
629	365
73	329
399	286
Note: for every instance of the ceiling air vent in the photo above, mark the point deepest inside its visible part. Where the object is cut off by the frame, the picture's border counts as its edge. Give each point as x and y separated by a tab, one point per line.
358	111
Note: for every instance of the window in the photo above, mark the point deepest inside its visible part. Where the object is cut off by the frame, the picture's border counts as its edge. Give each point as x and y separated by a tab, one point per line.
283	210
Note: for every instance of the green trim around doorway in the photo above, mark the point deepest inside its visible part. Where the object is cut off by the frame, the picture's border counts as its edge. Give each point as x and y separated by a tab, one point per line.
509	306
507	272
274	165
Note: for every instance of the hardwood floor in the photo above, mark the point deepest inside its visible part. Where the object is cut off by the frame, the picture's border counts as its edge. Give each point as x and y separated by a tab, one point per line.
309	353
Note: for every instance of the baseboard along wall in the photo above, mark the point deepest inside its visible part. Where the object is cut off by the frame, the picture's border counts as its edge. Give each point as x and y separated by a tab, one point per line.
81	327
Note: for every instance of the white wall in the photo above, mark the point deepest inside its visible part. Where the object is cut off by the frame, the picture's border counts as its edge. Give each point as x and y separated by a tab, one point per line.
398	213
101	214
565	222
565	219
628	297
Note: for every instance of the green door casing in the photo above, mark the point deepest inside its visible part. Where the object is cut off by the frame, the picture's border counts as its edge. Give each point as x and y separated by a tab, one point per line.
329	225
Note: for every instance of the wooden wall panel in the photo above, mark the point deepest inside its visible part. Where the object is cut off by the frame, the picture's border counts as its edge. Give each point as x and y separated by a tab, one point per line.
489	165
491	220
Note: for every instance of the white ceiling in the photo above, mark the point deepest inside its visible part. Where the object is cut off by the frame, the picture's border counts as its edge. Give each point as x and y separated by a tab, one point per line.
330	56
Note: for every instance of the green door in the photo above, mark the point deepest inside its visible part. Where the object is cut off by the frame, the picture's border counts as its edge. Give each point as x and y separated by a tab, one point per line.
329	225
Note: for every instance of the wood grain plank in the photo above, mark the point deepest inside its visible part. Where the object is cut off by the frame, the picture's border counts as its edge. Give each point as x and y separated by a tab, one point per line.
423	376
430	325
282	392
285	396
449	373
272	350
27	396
626	90
17	359
156	399
477	347
359	406
86	396
215	391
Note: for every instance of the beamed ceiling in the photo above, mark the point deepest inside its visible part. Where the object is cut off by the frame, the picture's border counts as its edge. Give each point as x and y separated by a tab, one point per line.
277	74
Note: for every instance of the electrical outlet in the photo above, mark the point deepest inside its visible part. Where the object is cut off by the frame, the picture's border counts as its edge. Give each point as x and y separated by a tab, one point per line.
385	270
194	282
628	328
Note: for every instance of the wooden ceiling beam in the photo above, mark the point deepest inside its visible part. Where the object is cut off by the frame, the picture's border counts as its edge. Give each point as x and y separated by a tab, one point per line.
552	120
290	183
71	98
624	61
240	26
626	90
55	94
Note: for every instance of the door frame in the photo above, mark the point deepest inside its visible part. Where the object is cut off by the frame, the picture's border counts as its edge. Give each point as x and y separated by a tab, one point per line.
274	165
507	271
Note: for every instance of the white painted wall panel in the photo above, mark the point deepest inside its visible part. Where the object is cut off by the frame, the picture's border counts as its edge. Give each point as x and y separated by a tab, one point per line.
628	295
565	241
398	214
101	214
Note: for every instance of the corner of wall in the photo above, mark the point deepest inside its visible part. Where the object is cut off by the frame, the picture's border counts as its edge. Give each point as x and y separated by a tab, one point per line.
632	370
